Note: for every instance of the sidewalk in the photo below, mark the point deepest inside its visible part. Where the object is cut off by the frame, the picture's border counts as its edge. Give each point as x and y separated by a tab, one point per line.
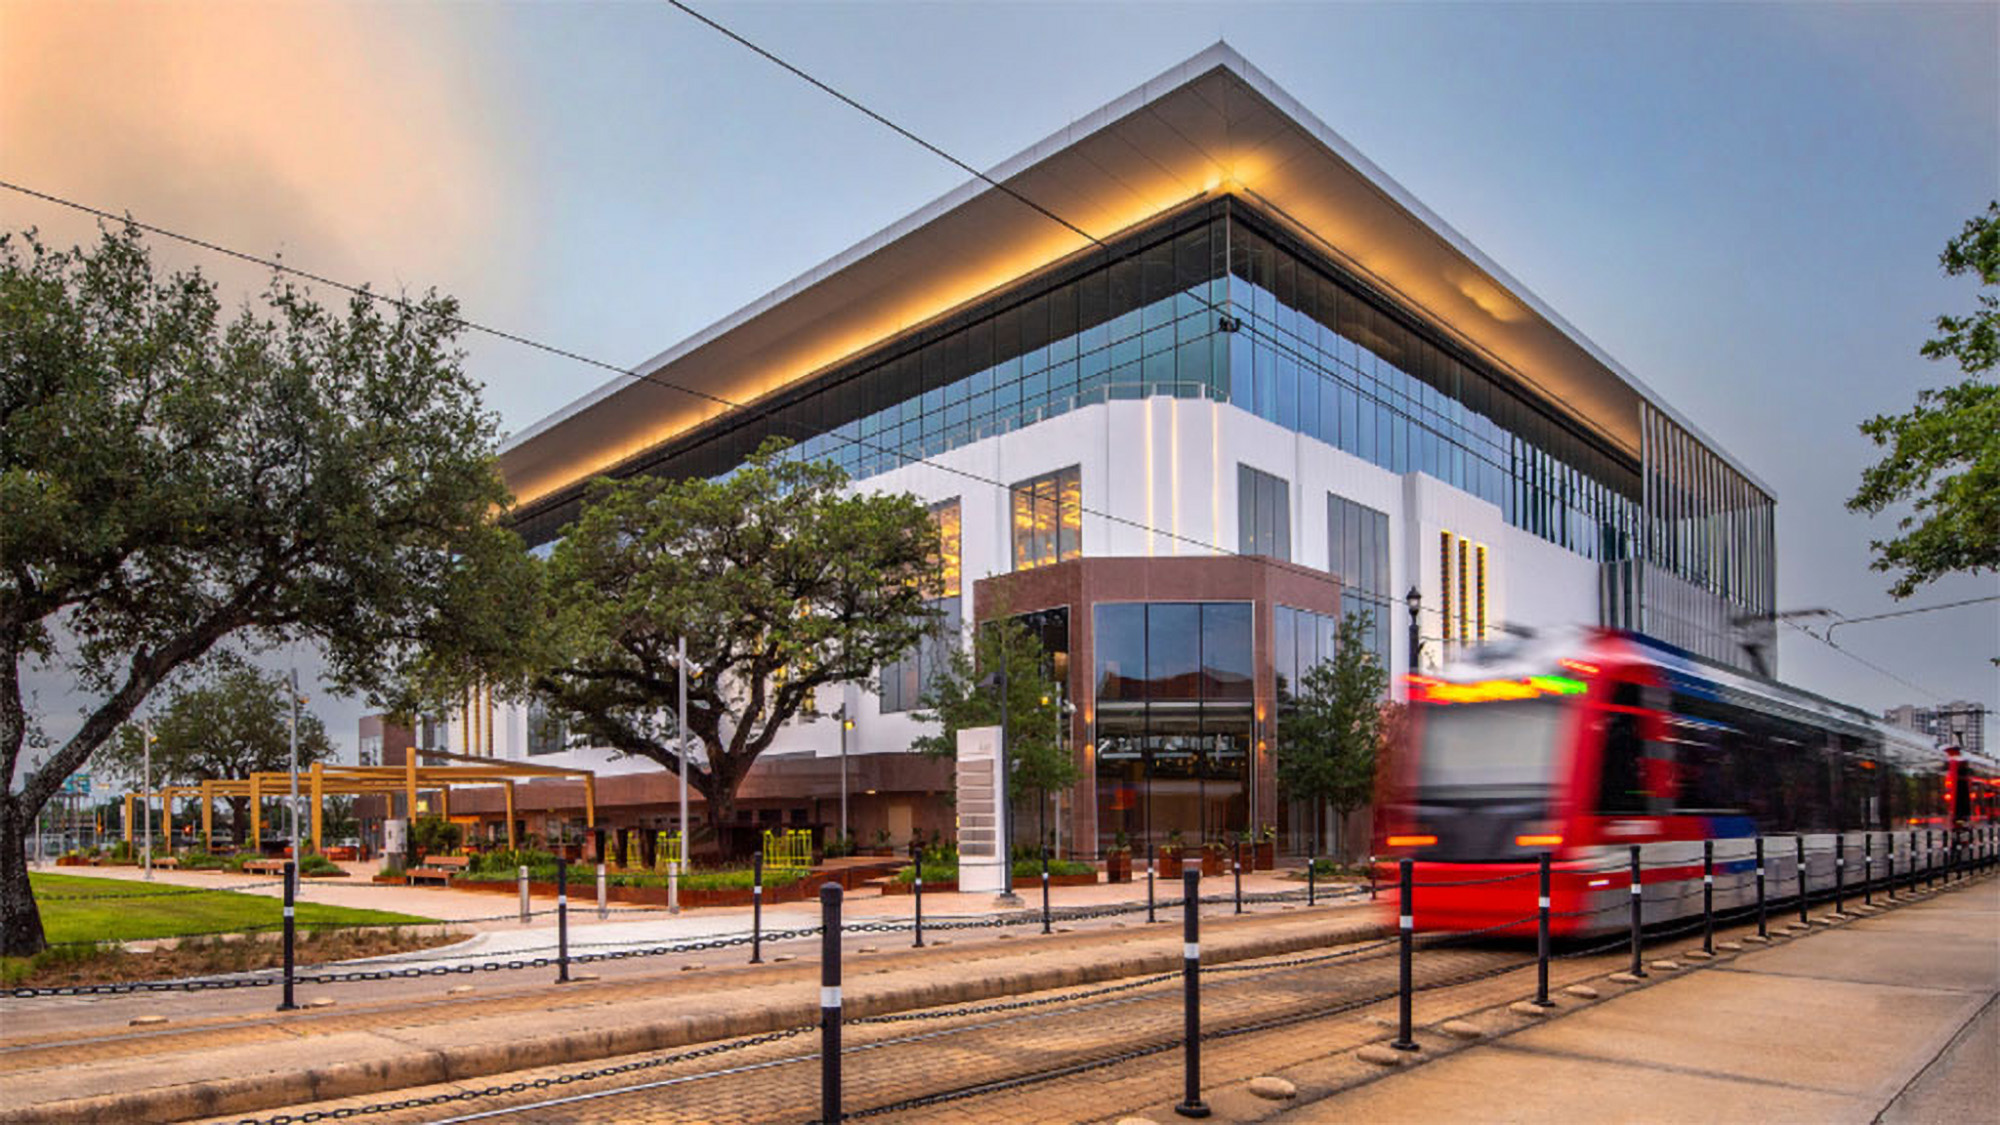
75	1060
1891	1016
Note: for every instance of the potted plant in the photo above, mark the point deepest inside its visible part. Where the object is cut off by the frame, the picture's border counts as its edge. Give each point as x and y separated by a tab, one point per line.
1264	857
883	844
1214	859
1170	855
1118	861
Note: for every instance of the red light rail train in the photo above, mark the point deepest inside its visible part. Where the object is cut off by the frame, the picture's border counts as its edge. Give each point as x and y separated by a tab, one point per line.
1585	744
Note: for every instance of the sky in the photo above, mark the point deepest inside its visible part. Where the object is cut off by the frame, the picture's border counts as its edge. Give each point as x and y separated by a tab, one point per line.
1743	204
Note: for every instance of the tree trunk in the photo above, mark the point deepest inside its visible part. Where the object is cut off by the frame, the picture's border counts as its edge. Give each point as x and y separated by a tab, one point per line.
20	918
239	819
721	811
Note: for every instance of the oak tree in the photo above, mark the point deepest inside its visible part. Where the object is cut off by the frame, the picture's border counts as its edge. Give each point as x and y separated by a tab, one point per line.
234	721
172	479
780	580
1943	456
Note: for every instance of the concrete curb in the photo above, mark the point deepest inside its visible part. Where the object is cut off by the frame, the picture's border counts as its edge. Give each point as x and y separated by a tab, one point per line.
277	1089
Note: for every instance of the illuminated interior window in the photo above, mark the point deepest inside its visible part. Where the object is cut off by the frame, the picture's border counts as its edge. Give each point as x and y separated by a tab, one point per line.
1480	562
1444	585
948	520
1048	519
1464	584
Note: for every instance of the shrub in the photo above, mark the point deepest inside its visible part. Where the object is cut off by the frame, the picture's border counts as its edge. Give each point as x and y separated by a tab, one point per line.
436	836
317	864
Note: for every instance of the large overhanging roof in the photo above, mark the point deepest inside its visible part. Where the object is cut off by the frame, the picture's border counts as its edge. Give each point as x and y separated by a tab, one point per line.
1213	124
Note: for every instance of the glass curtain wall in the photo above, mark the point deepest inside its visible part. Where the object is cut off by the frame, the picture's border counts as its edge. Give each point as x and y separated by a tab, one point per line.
1174	718
1132	323
1318	357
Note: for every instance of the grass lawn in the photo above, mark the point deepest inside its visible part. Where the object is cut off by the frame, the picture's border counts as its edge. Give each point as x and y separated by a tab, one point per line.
156	910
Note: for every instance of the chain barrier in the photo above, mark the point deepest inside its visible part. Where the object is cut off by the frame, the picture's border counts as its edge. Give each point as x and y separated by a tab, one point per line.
1171	1042
348	1112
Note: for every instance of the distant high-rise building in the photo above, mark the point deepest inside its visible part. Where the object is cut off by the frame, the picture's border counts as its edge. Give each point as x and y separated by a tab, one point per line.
1963	722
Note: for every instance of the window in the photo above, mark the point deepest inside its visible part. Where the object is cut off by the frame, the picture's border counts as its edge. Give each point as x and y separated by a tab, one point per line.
1263	514
1048	519
1358	554
905	681
948	518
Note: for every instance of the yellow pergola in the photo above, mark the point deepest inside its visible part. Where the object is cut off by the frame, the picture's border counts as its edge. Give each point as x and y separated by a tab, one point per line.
323	781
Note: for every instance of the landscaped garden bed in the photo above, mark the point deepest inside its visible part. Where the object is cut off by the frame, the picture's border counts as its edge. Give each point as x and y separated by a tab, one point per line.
87	919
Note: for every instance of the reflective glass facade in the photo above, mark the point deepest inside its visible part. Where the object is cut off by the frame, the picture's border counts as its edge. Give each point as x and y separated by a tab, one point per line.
1173	683
1217	301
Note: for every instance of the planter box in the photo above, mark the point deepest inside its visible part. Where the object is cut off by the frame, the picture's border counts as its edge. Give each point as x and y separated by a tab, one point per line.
72	861
1213	863
1170	865
584	889
390	880
1118	867
322	874
947	886
1264	856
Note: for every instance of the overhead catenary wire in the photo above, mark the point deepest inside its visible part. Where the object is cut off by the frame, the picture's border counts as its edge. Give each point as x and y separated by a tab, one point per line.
467	324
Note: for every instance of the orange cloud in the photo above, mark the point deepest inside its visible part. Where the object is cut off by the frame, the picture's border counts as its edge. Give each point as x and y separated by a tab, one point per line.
351	138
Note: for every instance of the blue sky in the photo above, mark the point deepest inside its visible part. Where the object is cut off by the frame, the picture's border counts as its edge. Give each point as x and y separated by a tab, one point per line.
1743	203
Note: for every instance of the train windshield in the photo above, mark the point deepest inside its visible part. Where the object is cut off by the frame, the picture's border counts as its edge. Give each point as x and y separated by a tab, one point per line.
1482	751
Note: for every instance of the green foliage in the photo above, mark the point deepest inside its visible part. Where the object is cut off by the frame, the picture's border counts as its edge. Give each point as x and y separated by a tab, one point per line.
959	699
781	580
175	482
228	724
317	864
434	835
1943	455
1329	737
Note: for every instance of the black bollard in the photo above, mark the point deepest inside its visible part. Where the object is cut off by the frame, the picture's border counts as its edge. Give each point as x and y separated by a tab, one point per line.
1889	854
1799	850
1867	869
1151	915
562	921
1406	928
1237	870
1542	938
1045	891
757	907
291	932
1708	896
829	1002
919	869
1762	914
1839	873
1638	967
1191	1104
1913	862
1312	867
1930	860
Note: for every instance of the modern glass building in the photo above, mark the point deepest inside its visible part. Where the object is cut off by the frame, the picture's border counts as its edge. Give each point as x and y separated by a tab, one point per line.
1264	388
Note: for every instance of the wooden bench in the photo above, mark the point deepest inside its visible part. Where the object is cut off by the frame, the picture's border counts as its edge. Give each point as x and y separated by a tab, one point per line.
264	867
169	862
440	868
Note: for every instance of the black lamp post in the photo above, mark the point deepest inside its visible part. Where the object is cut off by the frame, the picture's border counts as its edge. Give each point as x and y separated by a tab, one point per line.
1415	600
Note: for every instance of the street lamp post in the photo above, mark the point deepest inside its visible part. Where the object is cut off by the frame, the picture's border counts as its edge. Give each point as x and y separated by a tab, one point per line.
295	764
681	665
846	724
1415	600
146	790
